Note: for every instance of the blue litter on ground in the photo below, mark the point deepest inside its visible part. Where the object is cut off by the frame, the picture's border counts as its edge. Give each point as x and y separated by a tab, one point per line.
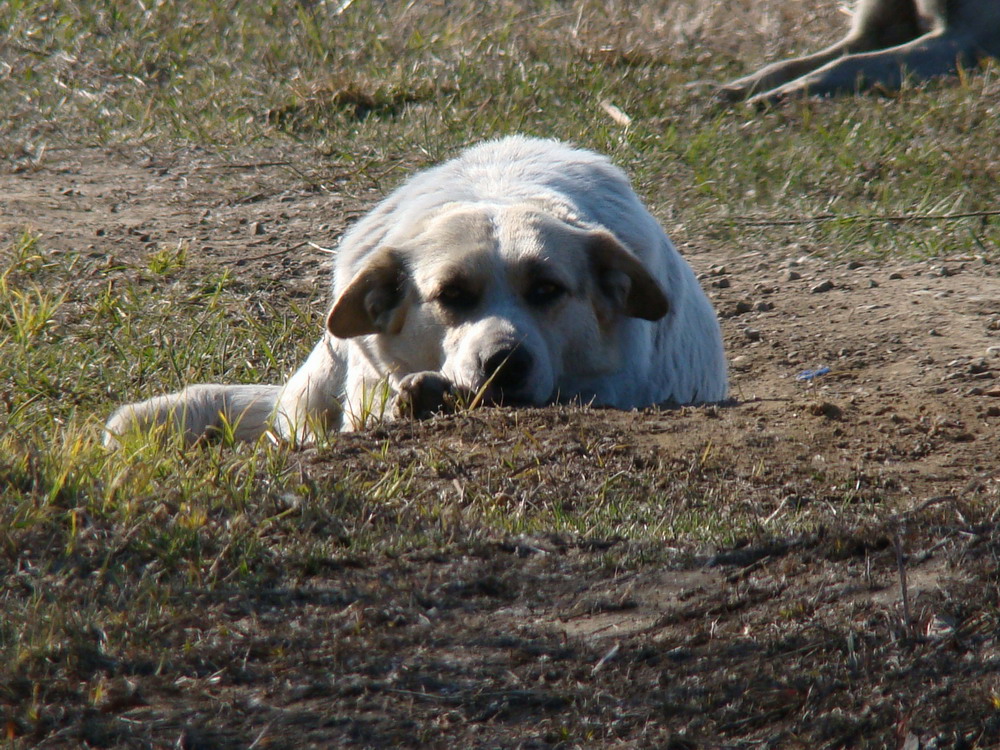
812	374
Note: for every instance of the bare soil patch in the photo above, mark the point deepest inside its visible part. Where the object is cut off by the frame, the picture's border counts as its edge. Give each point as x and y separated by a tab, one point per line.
872	625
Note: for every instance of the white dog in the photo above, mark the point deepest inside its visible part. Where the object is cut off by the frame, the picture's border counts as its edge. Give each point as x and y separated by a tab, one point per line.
521	272
888	40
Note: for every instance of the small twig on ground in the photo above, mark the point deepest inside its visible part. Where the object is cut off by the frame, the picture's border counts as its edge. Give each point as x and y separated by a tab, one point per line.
327	250
606	658
896	218
903	587
615	113
244	165
925	505
245	258
260	737
781	507
748	569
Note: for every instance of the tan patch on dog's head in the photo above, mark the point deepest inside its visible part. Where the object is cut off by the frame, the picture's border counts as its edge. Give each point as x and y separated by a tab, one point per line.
620	283
373	300
624	280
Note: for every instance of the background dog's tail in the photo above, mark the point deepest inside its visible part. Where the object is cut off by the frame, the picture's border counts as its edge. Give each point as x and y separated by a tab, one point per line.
240	412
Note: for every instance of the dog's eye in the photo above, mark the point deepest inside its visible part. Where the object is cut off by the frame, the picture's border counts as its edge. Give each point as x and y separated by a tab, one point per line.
543	293
455	297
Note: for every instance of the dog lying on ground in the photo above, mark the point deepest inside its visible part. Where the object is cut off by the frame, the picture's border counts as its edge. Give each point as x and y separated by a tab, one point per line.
522	272
888	40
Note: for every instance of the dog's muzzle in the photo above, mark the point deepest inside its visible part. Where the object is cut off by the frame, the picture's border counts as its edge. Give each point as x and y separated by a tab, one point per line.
506	374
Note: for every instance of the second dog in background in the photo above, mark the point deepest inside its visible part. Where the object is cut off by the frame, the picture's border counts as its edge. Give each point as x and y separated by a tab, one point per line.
888	40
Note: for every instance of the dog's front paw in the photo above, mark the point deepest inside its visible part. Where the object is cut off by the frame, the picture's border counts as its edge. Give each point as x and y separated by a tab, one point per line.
421	394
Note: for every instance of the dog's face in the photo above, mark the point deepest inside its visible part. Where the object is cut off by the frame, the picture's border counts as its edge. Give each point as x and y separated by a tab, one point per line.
506	299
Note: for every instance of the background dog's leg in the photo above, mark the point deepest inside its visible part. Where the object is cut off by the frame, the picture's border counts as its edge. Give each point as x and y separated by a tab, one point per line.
931	55
876	24
197	412
310	401
779	73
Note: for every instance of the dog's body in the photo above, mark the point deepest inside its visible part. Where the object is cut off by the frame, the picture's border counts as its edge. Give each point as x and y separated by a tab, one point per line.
888	40
522	272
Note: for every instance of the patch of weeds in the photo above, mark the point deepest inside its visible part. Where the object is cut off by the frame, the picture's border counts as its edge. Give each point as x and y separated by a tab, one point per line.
167	259
26	307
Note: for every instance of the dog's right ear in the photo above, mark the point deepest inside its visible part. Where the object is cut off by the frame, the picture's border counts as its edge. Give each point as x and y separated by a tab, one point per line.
374	300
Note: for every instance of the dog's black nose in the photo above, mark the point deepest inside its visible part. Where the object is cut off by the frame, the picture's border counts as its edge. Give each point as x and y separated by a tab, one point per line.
507	370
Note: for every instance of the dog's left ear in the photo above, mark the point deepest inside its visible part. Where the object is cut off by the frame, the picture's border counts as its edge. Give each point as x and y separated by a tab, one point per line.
374	301
624	279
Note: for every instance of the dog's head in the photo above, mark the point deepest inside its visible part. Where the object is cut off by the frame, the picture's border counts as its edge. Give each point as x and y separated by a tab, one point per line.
504	298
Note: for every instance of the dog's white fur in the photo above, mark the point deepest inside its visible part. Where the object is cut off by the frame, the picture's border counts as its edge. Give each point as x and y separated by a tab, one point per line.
888	40
523	271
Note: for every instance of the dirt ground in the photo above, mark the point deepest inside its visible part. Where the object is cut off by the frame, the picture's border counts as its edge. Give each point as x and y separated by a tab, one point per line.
538	641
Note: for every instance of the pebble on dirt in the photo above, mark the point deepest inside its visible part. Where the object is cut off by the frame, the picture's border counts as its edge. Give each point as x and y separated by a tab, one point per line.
823	286
825	409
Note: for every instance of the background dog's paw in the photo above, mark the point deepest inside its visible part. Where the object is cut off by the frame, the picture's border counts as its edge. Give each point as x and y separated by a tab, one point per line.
730	93
421	394
776	96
